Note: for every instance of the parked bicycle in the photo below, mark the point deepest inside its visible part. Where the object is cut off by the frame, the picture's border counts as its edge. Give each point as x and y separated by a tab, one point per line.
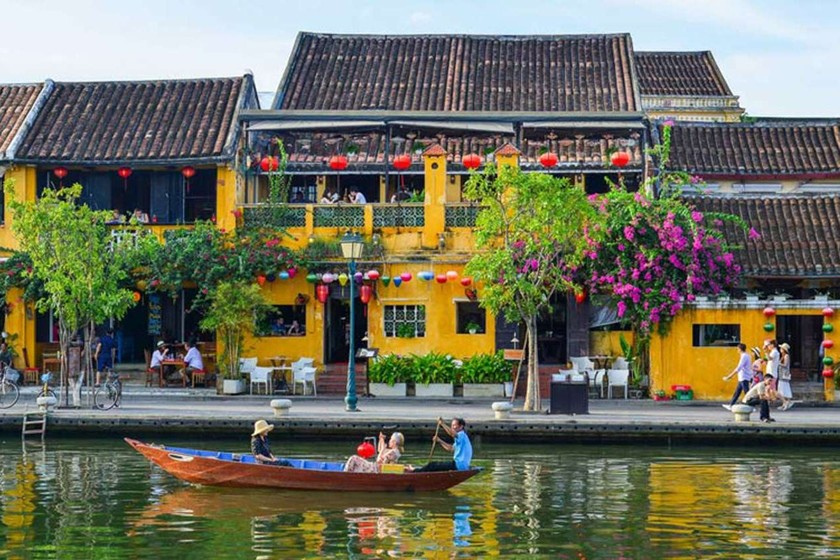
9	392
46	389
109	394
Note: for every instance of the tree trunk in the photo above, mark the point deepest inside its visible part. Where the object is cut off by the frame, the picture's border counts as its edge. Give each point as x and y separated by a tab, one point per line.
532	392
64	344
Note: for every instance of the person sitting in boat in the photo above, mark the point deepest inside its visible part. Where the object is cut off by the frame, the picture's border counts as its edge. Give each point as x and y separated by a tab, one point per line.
460	447
388	453
260	448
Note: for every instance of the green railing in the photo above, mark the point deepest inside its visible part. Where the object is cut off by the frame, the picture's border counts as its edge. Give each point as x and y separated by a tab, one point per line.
352	216
275	216
399	215
461	215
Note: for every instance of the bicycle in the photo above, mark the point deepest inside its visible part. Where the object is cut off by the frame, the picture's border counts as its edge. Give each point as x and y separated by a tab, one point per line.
46	390
109	394
9	392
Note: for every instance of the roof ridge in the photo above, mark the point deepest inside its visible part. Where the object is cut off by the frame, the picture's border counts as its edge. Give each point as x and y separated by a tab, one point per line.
157	81
470	35
647	53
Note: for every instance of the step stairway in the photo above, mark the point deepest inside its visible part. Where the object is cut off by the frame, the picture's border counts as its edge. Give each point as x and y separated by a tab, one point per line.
332	379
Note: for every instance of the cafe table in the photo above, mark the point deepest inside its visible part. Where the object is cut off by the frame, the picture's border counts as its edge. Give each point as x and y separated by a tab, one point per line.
279	367
177	364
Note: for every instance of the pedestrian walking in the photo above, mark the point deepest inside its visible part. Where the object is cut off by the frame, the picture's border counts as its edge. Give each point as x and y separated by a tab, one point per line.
783	383
744	372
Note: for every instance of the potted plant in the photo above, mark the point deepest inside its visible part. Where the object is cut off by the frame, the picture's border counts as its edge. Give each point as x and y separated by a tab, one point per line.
235	308
472	327
418	147
433	375
404	330
484	375
388	376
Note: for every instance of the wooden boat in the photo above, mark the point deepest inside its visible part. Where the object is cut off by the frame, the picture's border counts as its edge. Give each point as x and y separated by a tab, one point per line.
218	468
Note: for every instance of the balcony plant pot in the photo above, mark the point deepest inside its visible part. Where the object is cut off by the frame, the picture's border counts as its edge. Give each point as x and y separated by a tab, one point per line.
385	390
233	386
433	389
479	390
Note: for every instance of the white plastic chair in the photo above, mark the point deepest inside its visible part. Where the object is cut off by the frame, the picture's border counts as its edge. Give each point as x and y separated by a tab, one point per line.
618	378
297	367
303	376
247	365
620	363
261	376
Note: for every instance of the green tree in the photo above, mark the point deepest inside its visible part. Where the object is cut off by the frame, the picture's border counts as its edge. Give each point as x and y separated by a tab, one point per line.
82	268
235	307
528	236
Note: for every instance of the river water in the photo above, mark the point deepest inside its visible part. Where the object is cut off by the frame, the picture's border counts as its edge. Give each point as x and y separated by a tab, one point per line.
96	498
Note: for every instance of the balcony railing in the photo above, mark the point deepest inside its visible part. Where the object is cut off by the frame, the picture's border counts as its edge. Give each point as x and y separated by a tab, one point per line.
403	215
461	215
351	216
275	216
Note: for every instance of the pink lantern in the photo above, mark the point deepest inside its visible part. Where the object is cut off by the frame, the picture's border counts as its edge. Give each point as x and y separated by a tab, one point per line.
406	276
292	272
373	275
769	312
451	275
365	293
828	312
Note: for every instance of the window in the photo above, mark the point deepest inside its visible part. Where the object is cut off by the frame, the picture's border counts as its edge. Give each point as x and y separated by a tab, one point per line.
405	321
716	335
470	316
283	320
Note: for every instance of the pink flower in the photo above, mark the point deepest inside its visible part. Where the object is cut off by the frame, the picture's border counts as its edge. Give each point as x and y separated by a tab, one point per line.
754	234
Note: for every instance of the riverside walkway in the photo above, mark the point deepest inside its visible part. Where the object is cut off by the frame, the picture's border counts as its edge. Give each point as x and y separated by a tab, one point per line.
147	412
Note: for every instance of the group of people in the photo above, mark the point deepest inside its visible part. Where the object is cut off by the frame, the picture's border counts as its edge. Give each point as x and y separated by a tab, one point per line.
388	452
353	196
137	216
192	361
763	378
280	328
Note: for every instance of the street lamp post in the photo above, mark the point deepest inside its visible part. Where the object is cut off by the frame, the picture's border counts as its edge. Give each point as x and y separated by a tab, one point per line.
351	248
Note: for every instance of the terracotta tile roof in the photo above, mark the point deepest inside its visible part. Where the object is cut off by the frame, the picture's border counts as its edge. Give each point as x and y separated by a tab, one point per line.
799	236
680	73
768	149
434	150
508	150
156	121
16	102
460	73
309	152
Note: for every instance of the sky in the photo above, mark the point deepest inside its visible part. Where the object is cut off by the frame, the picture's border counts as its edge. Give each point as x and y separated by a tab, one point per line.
779	56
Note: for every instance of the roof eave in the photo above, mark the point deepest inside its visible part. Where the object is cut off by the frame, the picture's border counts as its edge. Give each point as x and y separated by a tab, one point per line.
280	115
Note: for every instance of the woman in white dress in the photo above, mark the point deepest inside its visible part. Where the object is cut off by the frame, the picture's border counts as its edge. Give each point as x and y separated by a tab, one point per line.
784	377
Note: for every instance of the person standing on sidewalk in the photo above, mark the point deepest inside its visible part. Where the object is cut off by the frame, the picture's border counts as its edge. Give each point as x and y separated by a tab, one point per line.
783	383
744	372
760	395
773	358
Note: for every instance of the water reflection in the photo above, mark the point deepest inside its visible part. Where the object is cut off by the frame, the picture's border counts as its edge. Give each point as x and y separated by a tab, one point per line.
87	498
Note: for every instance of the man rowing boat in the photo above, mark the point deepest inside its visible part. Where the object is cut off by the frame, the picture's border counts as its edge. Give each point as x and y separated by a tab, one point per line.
460	447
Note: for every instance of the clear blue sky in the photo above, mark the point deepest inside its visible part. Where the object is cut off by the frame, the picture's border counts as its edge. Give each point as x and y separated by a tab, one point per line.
780	56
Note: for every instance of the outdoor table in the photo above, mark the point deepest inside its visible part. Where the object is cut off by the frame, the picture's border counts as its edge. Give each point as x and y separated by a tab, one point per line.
602	362
177	364
569	397
278	371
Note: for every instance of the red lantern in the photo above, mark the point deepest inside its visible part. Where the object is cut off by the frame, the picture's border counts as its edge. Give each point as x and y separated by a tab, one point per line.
471	161
580	297
548	159
620	159
260	279
440	278
365	450
828	373
136	296
188	172
769	312
338	163
60	172
364	293
323	292
466	281
269	163
406	276
827	343
403	162
828	312
373	275
124	172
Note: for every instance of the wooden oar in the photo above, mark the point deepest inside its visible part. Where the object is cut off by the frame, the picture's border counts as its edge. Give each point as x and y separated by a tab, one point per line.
434	441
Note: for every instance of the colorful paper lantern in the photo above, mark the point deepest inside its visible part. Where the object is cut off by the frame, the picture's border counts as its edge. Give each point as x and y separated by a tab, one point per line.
548	159
136	296
402	162
580	296
466	281
338	163
311	278
365	450
365	293
322	291
828	312
827	327
292	272
283	275
620	159
373	275
426	275
451	275
327	278
397	281
271	277
358	277
60	172
260	279
828	373
471	161
440	278
124	173
269	163
385	280
406	276
827	343
342	279
141	285
769	327
769	312
828	360
188	172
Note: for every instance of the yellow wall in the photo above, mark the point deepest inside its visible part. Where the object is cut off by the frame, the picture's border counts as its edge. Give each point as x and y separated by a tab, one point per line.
24	179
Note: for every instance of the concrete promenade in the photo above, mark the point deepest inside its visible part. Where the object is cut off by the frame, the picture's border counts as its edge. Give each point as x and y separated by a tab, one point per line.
148	413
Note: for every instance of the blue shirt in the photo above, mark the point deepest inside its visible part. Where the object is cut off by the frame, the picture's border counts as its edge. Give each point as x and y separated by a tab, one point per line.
462	451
